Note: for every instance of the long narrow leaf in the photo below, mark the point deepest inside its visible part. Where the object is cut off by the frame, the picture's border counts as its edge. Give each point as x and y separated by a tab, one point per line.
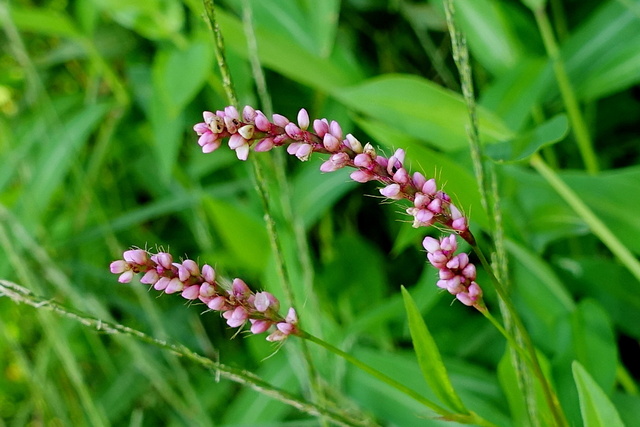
429	358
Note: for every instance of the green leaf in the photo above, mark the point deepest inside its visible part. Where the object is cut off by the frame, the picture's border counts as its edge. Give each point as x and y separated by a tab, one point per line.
178	74
429	358
242	233
524	146
43	21
422	109
596	408
490	34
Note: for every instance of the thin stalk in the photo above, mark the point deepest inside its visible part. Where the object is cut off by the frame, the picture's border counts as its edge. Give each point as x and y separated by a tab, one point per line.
471	418
21	295
578	124
550	396
596	225
261	186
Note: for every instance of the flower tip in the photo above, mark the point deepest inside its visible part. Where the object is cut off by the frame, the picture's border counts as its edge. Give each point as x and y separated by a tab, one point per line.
303	119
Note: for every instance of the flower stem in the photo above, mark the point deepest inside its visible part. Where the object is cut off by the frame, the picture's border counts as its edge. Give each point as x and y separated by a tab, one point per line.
471	418
21	295
532	359
580	131
596	225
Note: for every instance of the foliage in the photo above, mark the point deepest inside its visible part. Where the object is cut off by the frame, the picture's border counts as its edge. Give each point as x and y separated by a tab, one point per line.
97	102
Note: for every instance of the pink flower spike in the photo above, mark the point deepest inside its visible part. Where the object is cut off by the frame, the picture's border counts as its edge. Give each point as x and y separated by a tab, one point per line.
435	206
236	317
391	191
240	289
150	277
285	328
207	290
424	217
248	113
118	267
259	326
231	124
161	284
304	152
430	244
261	302
430	187
401	176
293	147
191	292
264	144
175	285
135	256
321	127
201	128
293	131
449	243
191	266
165	260
231	112
208	273
261	121
246	131
354	144
331	143
242	152
292	316
236	140
303	119
469	272
217	303
460	224
419	180
207	138
210	148
363	160
276	336
208	117
126	277
335	129
280	120
361	176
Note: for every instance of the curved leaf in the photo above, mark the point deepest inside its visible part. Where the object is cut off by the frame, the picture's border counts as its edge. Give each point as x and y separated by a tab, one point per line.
429	358
596	408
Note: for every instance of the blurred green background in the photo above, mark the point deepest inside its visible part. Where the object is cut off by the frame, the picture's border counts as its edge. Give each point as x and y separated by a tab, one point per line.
97	101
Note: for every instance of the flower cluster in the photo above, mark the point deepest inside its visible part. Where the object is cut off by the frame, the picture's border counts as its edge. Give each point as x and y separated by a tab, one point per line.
237	305
457	274
430	206
253	129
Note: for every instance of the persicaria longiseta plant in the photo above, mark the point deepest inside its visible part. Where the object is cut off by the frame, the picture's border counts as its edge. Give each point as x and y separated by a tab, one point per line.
251	129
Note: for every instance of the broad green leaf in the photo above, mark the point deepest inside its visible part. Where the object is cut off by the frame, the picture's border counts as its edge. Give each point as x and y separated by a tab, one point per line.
422	109
513	94
606	44
596	408
180	73
429	358
294	61
242	233
153	19
489	31
58	156
315	192
525	145
42	21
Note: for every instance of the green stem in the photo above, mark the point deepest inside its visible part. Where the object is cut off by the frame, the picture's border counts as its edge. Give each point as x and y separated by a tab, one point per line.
471	418
21	295
550	396
578	125
595	224
227	82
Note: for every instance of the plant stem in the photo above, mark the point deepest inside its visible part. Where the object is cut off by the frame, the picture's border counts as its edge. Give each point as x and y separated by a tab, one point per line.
550	396
471	418
580	131
261	185
21	295
596	225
